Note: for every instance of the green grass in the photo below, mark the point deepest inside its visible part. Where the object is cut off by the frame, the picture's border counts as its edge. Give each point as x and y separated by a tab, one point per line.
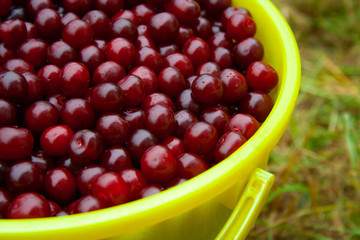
316	194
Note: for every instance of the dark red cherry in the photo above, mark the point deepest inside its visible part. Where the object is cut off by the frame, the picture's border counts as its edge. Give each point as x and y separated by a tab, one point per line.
125	14
78	113
211	68
5	9
87	204
258	104
99	22
60	53
44	161
29	205
41	115
149	57
110	7
36	90
15	143
59	185
77	34
33	51
79	7
13	86
261	76
19	65
181	62
158	164
185	33
190	165
113	128
138	142
207	89
86	176
135	117
68	17
183	119
234	85
240	26
186	100
85	147
203	28
48	23
116	159
24	176
217	117
107	97
243	123
160	121
91	56
123	28
216	6
55	140
7	113
143	13
157	98
74	79
167	49
135	180
175	181
222	56
111	189
134	90
174	144
148	76
49	75
171	81
228	12
185	11
58	100
122	51
248	51
197	50
220	39
200	137
6	53
163	27
108	72
144	41
54	208
228	143
13	32
33	6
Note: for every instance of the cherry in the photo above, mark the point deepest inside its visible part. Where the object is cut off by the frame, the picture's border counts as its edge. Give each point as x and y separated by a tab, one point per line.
157	98
211	68
160	121
185	33
149	57
59	185
197	50
74	79
190	165
135	117
55	140
220	39
217	117
171	81
18	65
143	13
24	176
116	159
167	49
126	14
216	6
34	51
144	41
85	177
222	56
44	161
13	32
7	113
227	144
87	204
78	113
207	89
138	142
68	17
5	199
203	28
35	90
111	189
240	26
77	6
150	190
174	144
13	86
33	6
54	208
48	24
41	115
60	53
107	97
234	85
186	100
91	56
248	51
183	119
135	180
29	205
113	128
122	51
110	7
85	147
258	104
228	12
180	61
123	28
163	27
242	123
261	76
134	90
49	75
77	33
6	53
158	164
108	71
99	22
148	76
15	143
185	11
58	100
200	137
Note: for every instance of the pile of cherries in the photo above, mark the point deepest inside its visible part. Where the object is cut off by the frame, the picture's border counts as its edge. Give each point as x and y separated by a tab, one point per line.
103	102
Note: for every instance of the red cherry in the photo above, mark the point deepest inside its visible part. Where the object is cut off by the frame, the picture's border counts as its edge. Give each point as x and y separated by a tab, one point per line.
174	144
200	137
116	159
258	104
197	50
135	181
227	144
15	143
86	176
134	90
160	121
148	76
7	113
13	32
234	85
190	165
207	89
48	24
113	128
163	27
122	51
78	113
87	204
171	81
29	205
107	97
138	142
49	75
261	76
108	71
243	123
55	140
248	51
77	33
240	26
74	79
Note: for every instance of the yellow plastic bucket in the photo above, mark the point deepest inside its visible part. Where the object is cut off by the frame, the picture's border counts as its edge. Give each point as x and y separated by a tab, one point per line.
221	203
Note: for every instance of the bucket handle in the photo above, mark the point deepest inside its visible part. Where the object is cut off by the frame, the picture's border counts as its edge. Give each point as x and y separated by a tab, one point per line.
249	206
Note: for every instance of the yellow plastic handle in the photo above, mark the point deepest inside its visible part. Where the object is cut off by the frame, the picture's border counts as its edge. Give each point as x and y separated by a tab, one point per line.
249	207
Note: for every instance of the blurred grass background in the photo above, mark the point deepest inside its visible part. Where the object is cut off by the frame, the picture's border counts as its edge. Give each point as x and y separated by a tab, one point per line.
316	194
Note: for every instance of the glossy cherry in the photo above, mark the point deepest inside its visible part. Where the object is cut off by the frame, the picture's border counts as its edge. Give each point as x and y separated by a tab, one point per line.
7	113
99	22
33	51
240	26
171	81
243	123
160	121
150	190
107	97
163	27
87	204
77	33
174	144
108	71
185	11
86	176
48	24
181	62
122	51
197	50
148	76
110	7
183	119
261	76
157	98
91	56
123	28
248	51
135	180
13	32
190	165
15	143
5	199
134	90
200	137
258	104
29	205
216	116
211	68
55	140
135	117
13	86
186	100
113	128
19	65
77	6
227	144
207	89
74	79
138	142
78	113
60	53
234	85
49	75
